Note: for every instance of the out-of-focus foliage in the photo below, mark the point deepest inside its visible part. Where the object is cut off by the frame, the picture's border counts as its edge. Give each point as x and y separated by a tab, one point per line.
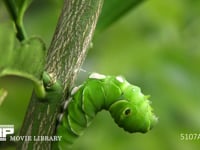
156	46
113	10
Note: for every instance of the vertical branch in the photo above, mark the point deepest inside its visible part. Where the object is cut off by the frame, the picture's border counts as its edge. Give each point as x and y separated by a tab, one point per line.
65	56
72	38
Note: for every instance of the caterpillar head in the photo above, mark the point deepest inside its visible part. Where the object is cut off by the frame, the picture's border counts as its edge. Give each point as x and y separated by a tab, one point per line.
133	112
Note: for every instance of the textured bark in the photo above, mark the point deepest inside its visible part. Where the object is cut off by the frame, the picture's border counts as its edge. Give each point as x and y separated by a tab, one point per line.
72	38
65	56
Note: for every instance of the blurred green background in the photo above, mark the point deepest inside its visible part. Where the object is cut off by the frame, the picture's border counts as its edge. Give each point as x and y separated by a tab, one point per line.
155	46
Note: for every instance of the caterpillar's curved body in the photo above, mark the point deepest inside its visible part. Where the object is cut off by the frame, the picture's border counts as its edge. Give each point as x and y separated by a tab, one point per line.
127	105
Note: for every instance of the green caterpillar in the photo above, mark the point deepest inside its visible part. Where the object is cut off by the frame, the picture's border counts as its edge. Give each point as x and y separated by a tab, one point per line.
127	105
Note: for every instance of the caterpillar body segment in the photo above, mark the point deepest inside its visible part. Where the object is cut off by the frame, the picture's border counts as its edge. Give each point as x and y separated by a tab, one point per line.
129	108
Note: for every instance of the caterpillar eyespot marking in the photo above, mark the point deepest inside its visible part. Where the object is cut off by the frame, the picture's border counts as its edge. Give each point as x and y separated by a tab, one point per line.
127	111
129	108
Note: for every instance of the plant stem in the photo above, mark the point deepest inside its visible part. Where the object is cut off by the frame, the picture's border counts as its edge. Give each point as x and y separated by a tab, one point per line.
66	54
17	18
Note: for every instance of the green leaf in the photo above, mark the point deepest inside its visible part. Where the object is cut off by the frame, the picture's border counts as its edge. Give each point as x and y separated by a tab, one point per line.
113	10
17	9
7	36
26	61
7	40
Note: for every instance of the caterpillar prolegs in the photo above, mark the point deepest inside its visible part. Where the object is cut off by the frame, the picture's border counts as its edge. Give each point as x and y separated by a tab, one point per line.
129	108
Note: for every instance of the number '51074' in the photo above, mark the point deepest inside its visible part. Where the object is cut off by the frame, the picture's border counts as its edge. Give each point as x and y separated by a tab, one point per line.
190	136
